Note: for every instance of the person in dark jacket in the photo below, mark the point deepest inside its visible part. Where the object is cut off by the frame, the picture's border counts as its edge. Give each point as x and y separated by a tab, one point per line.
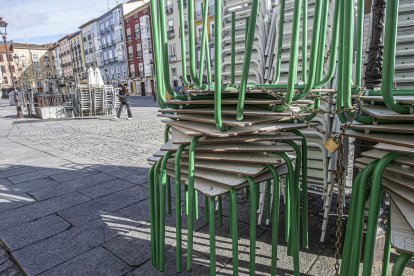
124	100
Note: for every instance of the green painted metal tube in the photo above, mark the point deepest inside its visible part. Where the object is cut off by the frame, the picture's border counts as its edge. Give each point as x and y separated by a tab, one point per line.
191	200
294	53
358	220
178	234
395	92
374	205
204	43
152	213
304	40
314	51
401	263
156	210
253	220
275	218
166	138
359	43
233	47
247	60
212	232
183	43
333	48
192	42
164	47
282	4
157	55
162	210
348	240
218	40
293	213
234	231
387	247
208	64
295	194
390	42
322	40
305	232
268	200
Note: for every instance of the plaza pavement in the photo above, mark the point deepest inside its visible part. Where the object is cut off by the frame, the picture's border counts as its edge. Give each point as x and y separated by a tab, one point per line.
74	201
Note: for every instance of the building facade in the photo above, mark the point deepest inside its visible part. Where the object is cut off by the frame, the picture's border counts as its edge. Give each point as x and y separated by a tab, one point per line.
174	40
66	59
33	65
91	44
139	49
77	57
111	29
5	73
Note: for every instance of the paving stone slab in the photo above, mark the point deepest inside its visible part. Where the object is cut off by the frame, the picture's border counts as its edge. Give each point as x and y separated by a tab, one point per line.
70	186
5	182
48	253
85	212
34	175
30	185
97	261
73	174
11	200
31	232
13	170
40	209
105	188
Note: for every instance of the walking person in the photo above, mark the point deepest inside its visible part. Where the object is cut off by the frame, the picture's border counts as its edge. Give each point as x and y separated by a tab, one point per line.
124	100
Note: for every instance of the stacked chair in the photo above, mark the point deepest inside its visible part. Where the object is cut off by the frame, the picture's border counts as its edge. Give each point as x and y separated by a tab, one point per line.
237	133
386	118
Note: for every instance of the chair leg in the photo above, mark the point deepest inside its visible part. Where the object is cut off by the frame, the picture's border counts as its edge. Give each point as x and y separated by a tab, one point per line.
253	215
234	230
400	264
212	231
275	218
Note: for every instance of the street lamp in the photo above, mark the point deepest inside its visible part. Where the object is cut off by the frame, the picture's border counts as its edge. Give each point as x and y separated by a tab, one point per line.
3	24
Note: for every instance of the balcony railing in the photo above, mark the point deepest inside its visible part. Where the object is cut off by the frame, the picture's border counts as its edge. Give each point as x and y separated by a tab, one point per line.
139	53
171	34
129	38
172	58
169	9
130	56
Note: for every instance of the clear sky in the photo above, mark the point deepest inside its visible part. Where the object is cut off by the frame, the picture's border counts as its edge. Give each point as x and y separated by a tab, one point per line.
43	21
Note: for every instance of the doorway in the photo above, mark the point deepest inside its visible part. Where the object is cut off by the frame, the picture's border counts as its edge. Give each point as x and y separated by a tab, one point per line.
143	93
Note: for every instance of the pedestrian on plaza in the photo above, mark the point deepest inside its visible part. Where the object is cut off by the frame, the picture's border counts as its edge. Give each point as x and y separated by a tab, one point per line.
124	100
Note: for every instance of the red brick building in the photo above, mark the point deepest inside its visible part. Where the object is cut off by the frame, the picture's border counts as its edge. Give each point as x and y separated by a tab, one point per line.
139	50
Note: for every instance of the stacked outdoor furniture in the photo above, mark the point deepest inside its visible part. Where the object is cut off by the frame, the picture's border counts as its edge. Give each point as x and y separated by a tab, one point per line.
233	135
387	120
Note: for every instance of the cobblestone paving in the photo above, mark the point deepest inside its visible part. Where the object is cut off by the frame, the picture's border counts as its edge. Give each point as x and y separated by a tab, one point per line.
74	201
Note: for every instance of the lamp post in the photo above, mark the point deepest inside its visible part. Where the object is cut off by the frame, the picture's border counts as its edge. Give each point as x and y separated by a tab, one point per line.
3	24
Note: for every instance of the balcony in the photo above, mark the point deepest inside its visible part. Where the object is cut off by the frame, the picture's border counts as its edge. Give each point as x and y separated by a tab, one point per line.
169	9
111	60
106	61
139	53
108	29
129	37
130	56
104	46
172	58
171	34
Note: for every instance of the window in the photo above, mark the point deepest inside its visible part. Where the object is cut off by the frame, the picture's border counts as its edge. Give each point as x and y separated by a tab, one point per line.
171	53
124	71
174	72
110	55
169	6
211	30
140	69
118	72
131	70
199	33
129	34
139	50
171	29
112	72
137	31
1	57
108	40
3	69
130	53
